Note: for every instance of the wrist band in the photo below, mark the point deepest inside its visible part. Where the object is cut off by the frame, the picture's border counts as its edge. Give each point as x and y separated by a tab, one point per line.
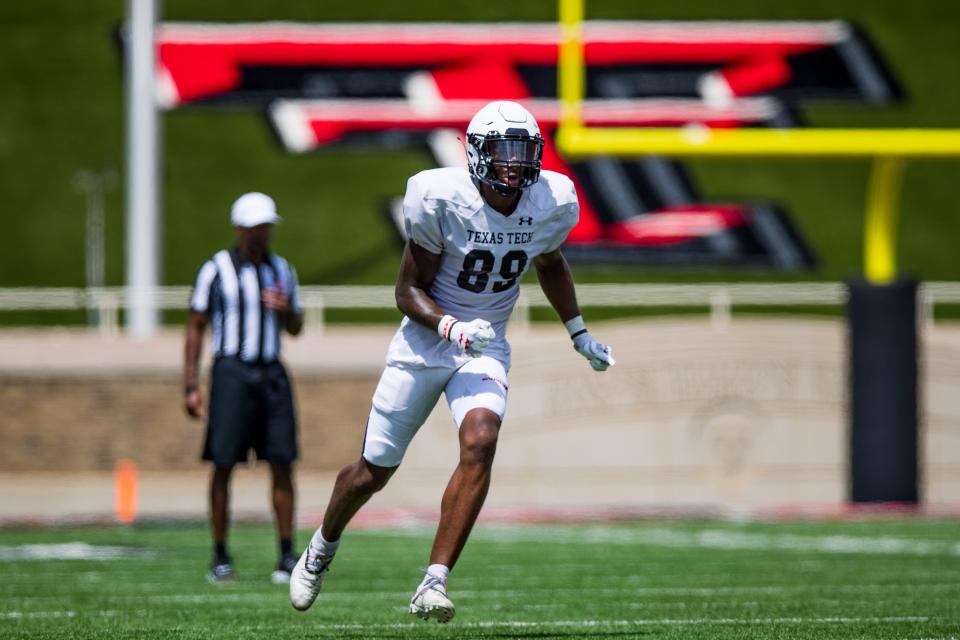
575	326
445	325
189	388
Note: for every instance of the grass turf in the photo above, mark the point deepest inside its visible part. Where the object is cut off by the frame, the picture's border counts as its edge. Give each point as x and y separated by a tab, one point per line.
677	579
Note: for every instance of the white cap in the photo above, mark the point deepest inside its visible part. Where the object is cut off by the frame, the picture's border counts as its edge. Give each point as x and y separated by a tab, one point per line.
252	209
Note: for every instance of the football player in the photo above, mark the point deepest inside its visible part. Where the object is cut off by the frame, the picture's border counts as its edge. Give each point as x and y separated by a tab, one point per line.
472	234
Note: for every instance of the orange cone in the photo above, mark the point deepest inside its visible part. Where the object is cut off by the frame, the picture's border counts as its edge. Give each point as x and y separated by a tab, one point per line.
125	485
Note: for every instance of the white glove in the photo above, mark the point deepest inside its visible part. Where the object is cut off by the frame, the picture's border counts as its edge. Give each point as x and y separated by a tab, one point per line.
598	355
472	337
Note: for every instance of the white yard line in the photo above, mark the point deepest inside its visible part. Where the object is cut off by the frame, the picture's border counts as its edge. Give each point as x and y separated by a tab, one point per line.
18	615
666	622
705	539
521	624
498	594
70	551
720	539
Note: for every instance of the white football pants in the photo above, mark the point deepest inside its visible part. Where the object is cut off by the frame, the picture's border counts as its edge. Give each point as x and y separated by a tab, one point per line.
405	397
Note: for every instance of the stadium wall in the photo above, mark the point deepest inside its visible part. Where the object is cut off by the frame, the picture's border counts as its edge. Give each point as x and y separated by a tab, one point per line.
753	413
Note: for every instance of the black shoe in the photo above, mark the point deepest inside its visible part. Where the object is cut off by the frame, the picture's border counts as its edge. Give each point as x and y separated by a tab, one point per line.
285	565
221	571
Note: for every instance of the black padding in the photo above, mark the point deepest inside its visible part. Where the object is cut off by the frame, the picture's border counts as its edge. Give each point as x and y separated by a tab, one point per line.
883	387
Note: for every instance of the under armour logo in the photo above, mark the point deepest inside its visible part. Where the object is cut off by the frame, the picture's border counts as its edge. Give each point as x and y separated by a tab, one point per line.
526	220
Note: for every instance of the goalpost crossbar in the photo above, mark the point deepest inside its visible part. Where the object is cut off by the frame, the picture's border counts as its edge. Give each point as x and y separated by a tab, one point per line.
888	147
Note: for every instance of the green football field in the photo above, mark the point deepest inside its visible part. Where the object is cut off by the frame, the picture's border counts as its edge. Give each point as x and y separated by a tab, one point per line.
890	578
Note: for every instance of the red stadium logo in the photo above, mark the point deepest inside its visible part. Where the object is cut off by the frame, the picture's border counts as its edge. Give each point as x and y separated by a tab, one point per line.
419	84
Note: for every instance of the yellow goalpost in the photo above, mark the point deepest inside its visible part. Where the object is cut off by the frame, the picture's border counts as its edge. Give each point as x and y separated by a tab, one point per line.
888	147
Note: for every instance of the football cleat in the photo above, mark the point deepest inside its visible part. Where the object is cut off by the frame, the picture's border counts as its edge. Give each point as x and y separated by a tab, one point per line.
430	602
285	565
307	578
221	572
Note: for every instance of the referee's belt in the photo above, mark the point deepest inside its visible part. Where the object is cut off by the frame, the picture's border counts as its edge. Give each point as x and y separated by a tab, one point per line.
249	363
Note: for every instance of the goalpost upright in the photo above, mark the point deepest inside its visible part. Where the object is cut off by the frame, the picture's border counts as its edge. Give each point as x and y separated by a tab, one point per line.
881	310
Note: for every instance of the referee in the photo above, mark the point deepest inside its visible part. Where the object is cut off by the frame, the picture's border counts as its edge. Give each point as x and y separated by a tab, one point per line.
248	295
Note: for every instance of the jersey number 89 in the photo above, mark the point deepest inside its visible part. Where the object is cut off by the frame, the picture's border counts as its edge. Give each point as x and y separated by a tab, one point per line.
478	265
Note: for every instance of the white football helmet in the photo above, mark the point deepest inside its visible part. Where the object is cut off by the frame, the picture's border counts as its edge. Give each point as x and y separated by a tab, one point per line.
504	147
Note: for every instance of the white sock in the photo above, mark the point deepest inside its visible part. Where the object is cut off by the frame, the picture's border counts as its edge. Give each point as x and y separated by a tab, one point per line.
437	571
322	546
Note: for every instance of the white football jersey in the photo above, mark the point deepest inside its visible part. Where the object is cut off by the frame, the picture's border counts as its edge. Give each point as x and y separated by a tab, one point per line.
484	254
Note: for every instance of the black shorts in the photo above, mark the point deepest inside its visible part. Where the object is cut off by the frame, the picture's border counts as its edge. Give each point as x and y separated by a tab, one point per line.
251	407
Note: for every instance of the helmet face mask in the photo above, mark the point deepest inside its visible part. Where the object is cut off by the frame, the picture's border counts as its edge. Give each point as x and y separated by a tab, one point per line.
504	147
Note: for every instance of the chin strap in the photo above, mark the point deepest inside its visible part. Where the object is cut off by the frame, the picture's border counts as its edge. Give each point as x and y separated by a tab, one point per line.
502	189
505	190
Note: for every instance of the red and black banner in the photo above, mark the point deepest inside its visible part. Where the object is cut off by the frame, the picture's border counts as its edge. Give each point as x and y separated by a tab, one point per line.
419	84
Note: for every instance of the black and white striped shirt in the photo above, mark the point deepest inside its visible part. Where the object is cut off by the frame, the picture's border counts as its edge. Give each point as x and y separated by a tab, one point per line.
228	288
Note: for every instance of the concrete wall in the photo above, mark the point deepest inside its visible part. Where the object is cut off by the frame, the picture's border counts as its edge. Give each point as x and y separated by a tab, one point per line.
752	414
